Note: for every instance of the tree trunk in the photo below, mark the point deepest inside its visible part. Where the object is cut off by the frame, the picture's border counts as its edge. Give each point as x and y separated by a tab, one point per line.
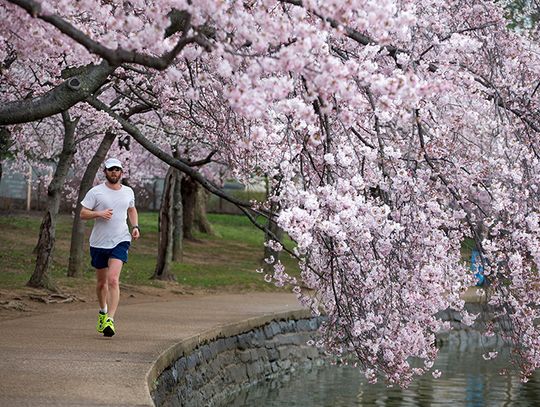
189	198
178	218
201	220
45	247
5	144
165	233
77	229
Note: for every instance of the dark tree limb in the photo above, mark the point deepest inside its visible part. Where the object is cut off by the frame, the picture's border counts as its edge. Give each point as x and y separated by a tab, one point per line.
70	92
206	160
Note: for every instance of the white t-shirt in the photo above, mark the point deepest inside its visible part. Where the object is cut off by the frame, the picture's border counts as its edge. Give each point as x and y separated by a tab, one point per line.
106	234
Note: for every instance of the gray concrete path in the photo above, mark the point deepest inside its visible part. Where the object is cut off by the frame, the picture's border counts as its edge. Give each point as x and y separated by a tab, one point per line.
58	359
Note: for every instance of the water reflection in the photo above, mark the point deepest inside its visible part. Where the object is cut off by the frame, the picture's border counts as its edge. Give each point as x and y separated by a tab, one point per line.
467	380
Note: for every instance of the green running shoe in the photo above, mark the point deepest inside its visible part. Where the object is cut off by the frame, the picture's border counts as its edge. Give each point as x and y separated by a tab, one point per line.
108	327
101	321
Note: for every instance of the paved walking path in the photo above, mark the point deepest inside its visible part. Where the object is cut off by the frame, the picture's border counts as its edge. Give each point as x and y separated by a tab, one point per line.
58	359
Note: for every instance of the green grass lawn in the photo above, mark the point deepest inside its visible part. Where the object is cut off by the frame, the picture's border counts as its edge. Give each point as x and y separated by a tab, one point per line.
228	260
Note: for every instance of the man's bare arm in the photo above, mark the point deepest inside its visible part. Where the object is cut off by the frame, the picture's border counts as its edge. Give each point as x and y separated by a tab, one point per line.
87	214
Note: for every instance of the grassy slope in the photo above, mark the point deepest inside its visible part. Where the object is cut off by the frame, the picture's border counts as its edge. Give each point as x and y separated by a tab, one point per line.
228	260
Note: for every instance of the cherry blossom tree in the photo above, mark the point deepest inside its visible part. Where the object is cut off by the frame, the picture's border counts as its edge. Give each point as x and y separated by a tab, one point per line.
391	131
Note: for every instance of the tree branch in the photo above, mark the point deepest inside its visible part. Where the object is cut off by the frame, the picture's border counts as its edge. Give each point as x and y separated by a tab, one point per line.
70	92
349	32
181	165
203	161
114	56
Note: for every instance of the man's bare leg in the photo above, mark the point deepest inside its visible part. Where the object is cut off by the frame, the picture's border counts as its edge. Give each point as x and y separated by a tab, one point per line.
102	288
113	284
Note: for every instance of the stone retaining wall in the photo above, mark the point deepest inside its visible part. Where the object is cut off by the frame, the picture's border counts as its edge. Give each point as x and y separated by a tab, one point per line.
207	370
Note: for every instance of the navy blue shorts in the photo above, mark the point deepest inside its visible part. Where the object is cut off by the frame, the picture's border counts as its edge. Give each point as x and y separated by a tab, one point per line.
100	257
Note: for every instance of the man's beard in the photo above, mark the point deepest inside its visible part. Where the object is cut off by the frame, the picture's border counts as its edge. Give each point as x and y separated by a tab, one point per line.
112	180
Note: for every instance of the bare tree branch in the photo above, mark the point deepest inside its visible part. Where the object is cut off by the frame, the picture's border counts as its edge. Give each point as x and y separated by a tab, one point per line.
203	161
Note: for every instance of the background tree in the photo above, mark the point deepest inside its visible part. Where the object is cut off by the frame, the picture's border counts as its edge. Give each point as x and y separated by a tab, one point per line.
5	145
201	218
189	200
166	226
47	232
178	220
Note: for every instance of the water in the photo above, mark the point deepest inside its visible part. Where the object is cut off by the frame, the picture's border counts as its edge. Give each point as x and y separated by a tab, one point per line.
467	380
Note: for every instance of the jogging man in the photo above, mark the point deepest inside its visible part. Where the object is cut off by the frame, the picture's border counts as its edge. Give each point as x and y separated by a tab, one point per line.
110	204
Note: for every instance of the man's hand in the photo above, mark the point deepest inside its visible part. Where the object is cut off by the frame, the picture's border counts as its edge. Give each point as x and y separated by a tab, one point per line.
106	214
135	233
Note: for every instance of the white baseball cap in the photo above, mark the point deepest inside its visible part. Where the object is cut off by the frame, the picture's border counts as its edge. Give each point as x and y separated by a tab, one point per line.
113	162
